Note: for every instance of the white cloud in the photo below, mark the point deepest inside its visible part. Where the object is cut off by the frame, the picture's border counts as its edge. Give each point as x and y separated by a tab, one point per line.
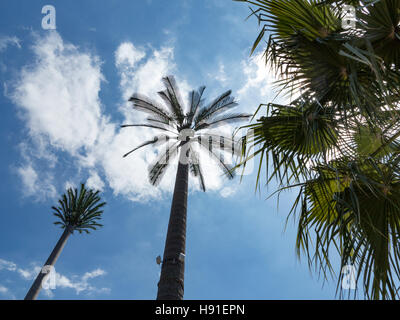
58	98
29	274
146	77
40	150
29	178
59	94
93	274
75	282
260	84
258	77
33	186
226	192
221	74
7	265
6	41
81	283
69	184
127	54
127	176
94	181
3	290
126	59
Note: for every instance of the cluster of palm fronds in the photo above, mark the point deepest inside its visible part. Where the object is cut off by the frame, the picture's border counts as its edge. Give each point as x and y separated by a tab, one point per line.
187	130
338	140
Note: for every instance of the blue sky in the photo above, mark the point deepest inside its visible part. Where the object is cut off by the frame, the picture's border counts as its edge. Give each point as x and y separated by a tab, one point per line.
63	98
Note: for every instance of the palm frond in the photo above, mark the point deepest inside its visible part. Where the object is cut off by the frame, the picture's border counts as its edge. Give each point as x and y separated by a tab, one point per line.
218	157
156	141
355	209
381	24
145	104
195	103
222	120
219	105
158	168
339	142
175	120
195	168
148	126
172	98
79	210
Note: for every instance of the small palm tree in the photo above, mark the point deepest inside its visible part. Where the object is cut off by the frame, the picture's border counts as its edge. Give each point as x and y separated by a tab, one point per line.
186	130
79	212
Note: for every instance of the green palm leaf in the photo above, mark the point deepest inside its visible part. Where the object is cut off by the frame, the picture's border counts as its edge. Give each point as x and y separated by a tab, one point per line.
79	211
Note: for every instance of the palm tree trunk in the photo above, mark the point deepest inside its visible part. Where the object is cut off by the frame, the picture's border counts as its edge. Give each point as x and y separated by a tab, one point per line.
37	284
170	286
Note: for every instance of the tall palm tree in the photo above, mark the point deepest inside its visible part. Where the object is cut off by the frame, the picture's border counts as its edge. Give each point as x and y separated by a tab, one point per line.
79	212
186	130
338	140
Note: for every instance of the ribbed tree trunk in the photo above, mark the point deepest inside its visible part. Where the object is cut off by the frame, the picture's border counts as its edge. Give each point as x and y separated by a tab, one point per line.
37	284
171	286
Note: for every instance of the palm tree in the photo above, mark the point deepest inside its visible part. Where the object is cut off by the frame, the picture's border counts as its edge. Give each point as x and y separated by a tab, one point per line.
337	141
186	130
79	212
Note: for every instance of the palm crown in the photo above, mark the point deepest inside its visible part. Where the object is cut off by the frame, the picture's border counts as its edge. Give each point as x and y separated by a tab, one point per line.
186	128
79	211
338	142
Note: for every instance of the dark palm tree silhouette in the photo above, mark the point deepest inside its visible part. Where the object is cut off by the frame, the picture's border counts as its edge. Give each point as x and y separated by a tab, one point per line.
79	212
183	129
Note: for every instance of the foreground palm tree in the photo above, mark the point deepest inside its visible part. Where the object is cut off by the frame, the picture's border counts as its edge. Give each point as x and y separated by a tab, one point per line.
338	140
75	212
183	129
